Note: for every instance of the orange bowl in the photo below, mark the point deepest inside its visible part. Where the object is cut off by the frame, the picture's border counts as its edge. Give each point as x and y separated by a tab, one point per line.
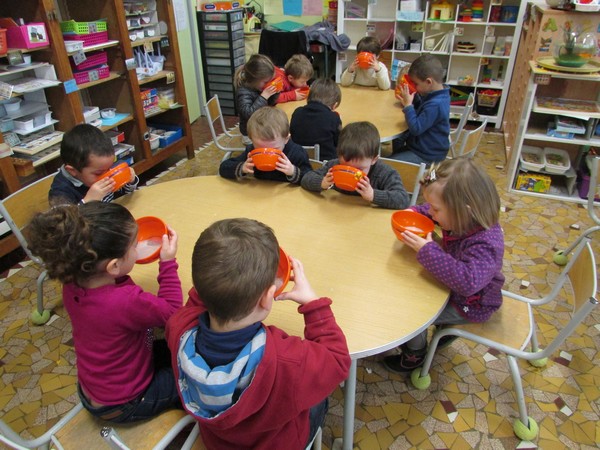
265	158
405	80
304	89
120	173
283	272
149	239
346	177
364	59
277	82
408	220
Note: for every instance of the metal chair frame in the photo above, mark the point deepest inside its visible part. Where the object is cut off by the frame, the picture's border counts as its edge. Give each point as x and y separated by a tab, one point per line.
466	113
212	111
469	142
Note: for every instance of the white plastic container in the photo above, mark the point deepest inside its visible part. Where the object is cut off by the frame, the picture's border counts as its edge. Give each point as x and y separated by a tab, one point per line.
42	119
73	46
12	105
23	124
557	160
154	141
91	113
532	158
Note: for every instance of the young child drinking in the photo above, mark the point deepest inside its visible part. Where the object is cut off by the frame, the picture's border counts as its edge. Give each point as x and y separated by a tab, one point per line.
295	75
269	128
359	147
122	375
317	122
427	114
87	154
375	75
247	384
252	91
462	199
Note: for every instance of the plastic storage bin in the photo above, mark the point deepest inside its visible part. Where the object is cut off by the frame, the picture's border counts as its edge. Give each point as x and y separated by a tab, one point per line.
91	75
88	39
172	133
73	46
532	158
70	26
557	160
31	35
92	60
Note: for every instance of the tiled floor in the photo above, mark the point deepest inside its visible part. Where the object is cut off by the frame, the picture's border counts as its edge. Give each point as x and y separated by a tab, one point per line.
470	403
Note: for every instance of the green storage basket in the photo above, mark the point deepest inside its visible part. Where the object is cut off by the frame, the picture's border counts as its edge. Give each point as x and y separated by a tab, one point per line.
70	26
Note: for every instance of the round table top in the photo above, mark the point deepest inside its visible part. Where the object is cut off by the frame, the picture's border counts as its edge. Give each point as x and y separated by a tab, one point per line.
381	295
361	103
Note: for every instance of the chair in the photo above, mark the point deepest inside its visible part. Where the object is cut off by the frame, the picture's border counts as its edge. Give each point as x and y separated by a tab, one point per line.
225	141
468	142
411	175
18	209
281	45
464	117
512	328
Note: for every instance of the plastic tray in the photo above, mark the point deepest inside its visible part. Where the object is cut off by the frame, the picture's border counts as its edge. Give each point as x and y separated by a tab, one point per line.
555	168
539	152
92	60
91	75
168	140
70	26
88	39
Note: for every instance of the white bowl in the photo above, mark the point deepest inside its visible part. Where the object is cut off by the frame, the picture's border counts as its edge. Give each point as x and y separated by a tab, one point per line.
12	105
108	113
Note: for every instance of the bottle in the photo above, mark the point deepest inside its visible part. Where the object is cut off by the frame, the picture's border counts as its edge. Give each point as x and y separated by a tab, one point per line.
508	45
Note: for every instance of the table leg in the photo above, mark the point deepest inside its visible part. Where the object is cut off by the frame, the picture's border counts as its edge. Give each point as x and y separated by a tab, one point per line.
349	404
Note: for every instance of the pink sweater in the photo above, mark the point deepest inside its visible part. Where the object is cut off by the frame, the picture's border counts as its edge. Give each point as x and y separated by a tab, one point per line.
112	333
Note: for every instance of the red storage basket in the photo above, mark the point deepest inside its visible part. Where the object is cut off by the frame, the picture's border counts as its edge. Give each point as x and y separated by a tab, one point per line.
88	39
3	44
93	60
91	75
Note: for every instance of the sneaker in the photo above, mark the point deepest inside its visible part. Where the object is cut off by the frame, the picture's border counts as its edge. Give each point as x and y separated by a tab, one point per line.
406	361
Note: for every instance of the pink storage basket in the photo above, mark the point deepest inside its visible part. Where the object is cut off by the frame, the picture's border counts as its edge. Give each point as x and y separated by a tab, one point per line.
91	75
88	39
31	35
93	60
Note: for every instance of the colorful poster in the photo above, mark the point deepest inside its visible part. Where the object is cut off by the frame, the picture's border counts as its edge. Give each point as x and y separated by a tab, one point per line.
312	7
292	7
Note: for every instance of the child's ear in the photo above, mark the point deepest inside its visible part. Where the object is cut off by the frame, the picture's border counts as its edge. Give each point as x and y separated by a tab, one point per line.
112	268
266	300
375	160
287	138
290	78
71	170
335	105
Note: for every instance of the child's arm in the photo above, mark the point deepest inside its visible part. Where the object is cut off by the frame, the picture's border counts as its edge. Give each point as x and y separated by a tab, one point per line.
238	166
381	75
294	163
419	123
349	74
288	96
129	187
388	189
248	101
319	179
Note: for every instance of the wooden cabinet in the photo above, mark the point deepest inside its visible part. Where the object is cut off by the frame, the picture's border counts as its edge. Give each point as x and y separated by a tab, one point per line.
133	28
479	53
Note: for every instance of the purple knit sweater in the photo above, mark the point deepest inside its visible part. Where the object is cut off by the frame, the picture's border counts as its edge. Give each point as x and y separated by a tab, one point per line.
470	265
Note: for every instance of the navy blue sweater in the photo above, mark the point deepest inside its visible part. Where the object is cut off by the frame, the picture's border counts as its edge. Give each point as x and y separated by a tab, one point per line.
316	123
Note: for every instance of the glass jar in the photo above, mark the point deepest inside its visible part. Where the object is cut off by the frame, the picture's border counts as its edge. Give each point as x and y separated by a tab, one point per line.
575	50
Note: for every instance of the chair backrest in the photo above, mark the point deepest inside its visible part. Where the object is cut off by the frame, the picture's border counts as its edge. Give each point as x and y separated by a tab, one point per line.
582	275
19	207
411	175
466	112
469	142
212	110
314	151
281	45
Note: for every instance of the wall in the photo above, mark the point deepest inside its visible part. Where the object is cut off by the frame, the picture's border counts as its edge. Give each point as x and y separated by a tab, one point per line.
273	10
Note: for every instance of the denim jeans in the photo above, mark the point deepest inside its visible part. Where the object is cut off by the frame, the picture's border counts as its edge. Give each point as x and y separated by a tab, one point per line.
316	418
160	395
449	316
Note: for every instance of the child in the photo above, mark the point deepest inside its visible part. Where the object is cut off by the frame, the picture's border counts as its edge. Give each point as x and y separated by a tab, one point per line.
359	147
375	75
269	128
250	91
463	200
427	114
87	153
297	71
247	384
122	376
317	122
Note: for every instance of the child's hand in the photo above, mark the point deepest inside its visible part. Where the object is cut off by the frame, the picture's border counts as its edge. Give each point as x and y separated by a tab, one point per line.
352	67
327	182
375	64
301	94
248	167
100	189
169	245
302	292
365	189
269	91
284	165
132	172
406	98
415	241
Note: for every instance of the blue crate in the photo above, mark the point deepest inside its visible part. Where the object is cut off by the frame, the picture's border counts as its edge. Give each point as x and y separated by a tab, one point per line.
166	141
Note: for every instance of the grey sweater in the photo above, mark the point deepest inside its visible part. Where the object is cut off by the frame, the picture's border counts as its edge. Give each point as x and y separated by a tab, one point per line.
387	185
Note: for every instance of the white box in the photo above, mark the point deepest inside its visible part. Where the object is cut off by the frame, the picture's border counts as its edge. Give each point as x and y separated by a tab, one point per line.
537	153
23	124
551	154
73	46
91	113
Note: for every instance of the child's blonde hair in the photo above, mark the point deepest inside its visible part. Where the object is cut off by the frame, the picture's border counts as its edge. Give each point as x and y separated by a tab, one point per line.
256	69
268	123
467	191
358	140
325	91
299	66
369	44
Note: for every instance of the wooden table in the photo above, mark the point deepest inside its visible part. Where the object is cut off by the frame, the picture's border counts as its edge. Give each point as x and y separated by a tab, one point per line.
366	103
381	295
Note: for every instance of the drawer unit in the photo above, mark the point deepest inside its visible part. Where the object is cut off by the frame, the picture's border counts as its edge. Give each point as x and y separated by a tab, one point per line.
221	38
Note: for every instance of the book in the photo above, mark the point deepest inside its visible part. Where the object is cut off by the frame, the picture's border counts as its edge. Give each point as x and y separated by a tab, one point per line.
569	125
37	142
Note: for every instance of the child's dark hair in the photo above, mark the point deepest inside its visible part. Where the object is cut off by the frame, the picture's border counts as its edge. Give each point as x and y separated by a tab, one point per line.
257	68
325	91
299	66
369	44
73	240
427	66
234	262
467	191
82	141
358	140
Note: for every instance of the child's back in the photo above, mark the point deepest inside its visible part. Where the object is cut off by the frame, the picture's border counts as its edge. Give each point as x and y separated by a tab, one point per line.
257	388
317	122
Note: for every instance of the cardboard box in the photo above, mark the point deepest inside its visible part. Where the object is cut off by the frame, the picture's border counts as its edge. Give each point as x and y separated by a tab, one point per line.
533	182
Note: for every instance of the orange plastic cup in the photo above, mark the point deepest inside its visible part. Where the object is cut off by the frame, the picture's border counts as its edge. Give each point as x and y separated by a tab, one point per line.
149	239
346	177
365	59
265	159
120	173
283	272
408	220
277	82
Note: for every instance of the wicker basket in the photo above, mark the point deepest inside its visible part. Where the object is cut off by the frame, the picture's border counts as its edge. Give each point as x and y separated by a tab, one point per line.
487	100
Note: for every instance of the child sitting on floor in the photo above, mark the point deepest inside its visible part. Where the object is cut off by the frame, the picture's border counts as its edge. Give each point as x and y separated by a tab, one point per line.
359	147
317	122
269	128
